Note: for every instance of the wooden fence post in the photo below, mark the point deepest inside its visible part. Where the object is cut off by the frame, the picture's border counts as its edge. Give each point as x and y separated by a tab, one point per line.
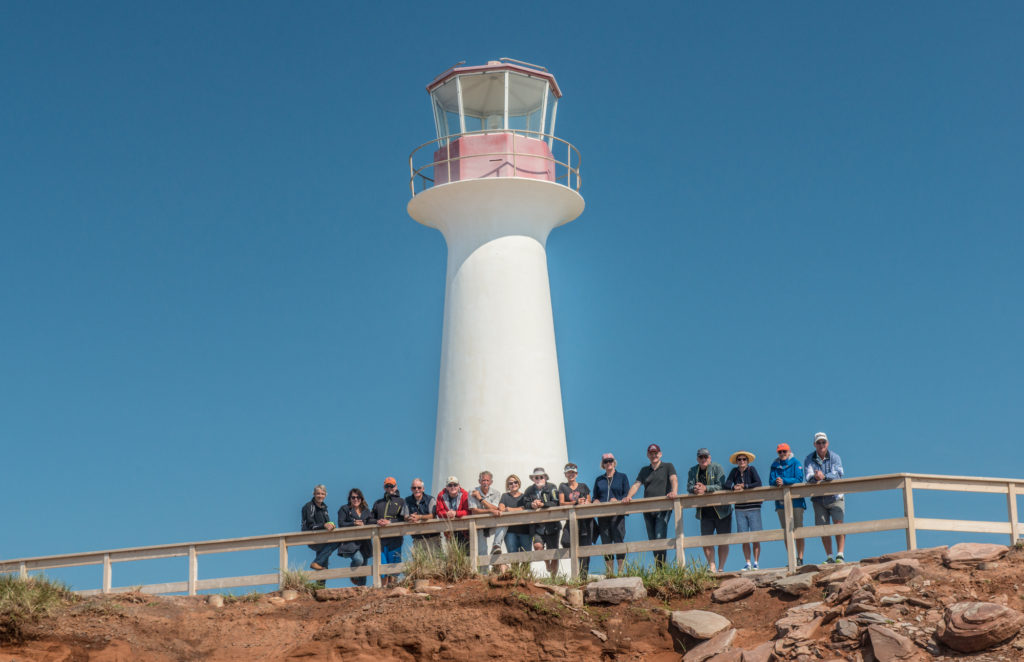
106	573
787	533
193	570
1011	505
677	512
282	561
574	545
474	547
908	512
375	543
23	571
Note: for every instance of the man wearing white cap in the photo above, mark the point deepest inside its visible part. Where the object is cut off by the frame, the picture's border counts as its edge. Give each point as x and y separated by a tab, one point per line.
543	494
820	466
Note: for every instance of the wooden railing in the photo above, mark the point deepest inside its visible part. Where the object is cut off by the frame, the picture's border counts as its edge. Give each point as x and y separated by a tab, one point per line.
907	484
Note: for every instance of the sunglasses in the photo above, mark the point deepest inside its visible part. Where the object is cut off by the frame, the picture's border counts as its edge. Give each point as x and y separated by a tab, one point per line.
820	443
453	484
512	482
741	459
783	452
701	457
389	485
416	487
354	497
607	461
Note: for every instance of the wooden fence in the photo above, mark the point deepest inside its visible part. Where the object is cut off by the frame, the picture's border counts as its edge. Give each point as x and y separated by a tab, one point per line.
905	483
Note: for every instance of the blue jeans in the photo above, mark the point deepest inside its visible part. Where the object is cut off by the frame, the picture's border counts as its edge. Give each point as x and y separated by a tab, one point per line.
358	561
323	552
657	528
518	542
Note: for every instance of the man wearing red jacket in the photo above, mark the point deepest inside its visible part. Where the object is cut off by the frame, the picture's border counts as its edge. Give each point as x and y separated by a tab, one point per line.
452	502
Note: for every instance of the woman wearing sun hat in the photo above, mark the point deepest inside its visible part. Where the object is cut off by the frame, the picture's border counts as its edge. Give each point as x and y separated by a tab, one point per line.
748	515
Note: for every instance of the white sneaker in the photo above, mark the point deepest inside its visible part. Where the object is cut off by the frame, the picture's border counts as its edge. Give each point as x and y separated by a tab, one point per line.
747	567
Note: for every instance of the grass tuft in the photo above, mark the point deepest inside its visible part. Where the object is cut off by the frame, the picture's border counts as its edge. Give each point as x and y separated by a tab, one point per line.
449	564
671	580
298	580
24	601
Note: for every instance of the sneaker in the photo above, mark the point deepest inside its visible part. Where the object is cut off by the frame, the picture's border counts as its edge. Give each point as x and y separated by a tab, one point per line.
830	560
840	559
799	562
747	566
755	565
496	549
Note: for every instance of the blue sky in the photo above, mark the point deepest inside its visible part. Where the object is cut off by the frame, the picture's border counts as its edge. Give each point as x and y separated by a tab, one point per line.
800	217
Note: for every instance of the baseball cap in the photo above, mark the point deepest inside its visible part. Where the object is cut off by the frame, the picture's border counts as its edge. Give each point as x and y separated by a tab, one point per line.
570	467
452	479
820	436
701	452
782	447
390	481
654	447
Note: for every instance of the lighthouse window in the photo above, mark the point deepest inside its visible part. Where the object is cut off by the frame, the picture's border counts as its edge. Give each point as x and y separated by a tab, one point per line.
526	102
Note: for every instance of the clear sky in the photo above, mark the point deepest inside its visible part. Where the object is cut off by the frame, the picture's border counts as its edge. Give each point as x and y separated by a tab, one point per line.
800	217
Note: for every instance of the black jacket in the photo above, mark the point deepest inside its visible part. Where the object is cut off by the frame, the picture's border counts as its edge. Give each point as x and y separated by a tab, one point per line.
348	517
314	517
392	508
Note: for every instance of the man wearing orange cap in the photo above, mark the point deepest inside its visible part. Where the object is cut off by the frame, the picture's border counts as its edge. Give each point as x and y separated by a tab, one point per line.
786	470
390	509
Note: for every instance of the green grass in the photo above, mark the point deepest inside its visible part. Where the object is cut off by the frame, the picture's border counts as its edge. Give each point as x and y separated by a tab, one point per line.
543	606
450	563
251	596
562	580
298	579
24	602
671	580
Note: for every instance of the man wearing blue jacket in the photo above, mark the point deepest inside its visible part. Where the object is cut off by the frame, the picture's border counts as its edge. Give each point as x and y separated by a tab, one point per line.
786	470
821	466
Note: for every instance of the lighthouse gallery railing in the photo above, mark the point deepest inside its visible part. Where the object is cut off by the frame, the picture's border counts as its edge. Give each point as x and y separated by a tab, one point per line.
905	483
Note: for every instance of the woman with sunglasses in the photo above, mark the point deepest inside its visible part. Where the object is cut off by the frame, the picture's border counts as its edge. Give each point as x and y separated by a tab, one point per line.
747	515
516	538
609	487
355	513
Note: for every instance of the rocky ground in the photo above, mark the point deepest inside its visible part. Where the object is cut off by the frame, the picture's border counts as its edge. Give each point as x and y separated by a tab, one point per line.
964	602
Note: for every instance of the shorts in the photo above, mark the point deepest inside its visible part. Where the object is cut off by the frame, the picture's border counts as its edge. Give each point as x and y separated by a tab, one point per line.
549	540
798	517
748	519
709	525
836	511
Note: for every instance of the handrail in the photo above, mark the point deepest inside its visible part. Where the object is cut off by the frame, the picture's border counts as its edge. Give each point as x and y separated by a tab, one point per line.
417	173
905	482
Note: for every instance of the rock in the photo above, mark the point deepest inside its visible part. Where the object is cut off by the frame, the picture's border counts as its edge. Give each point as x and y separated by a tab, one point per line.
857	578
730	655
970	554
700	624
894	599
276	601
795	584
974	626
899	570
329	594
420	585
788	624
711	647
872	618
838	575
810	608
557	590
575	597
988	565
764	578
614	591
846	629
934	553
398	591
889	646
216	600
289	594
733	589
600	635
760	654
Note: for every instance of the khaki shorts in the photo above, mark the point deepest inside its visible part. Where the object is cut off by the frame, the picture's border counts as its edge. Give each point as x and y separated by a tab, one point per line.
835	511
798	517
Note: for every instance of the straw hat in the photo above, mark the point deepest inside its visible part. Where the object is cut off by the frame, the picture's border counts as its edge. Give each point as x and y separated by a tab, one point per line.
750	456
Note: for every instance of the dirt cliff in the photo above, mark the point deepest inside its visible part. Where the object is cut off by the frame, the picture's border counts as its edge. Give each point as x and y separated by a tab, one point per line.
844	612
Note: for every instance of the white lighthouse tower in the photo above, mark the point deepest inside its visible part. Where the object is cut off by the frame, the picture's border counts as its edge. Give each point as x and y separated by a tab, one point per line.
495	182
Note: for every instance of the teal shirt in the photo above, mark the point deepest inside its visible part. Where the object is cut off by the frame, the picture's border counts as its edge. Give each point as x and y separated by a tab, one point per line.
715	482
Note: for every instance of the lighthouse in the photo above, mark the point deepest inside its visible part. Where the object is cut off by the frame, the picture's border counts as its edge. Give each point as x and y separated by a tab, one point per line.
495	182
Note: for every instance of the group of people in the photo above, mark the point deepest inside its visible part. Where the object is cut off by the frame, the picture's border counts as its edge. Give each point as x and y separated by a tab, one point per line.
658	479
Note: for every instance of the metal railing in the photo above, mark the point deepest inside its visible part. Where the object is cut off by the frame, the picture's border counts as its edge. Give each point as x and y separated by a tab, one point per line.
905	483
563	170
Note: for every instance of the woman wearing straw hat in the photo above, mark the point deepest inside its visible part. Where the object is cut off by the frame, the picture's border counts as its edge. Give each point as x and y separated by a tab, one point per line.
748	515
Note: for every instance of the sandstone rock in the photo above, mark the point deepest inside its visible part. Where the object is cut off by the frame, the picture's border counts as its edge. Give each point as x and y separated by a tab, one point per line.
575	597
894	599
787	624
216	600
872	618
810	608
838	575
988	565
934	553
711	647
700	624
557	590
614	591
420	585
600	635
289	594
970	554
973	626
761	653
276	601
329	594
846	629
889	646
730	655
899	570
733	589
795	584
764	578
857	578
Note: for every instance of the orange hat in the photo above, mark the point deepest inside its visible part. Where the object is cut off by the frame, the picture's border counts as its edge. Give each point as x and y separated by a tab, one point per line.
782	447
390	481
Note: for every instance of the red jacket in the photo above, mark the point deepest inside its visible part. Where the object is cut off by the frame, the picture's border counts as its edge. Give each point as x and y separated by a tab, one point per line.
442	504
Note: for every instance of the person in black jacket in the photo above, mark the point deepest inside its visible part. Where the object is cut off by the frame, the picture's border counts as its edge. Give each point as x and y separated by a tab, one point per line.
543	494
316	517
356	513
390	509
